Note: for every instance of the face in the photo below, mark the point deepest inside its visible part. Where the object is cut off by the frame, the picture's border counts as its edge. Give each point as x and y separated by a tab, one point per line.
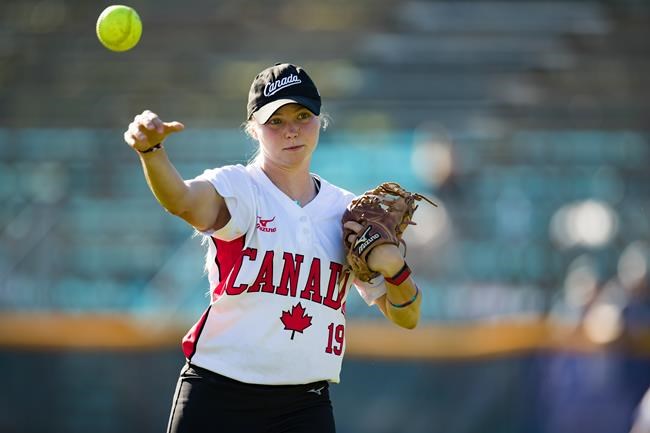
289	137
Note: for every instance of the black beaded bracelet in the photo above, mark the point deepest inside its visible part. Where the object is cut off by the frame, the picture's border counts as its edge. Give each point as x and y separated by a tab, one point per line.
407	303
152	148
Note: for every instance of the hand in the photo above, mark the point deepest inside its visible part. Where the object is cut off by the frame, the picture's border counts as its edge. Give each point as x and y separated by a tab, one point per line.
147	130
386	259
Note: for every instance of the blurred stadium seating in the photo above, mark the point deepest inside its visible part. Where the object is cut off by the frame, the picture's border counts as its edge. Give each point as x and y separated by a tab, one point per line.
527	121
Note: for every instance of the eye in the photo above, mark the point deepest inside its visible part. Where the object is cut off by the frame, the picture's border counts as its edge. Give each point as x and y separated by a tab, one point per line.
273	121
303	115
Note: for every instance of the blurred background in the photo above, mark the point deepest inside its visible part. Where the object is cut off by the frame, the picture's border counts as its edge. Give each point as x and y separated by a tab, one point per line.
526	121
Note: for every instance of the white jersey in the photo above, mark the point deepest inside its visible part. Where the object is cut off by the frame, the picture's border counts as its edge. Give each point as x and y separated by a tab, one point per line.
278	284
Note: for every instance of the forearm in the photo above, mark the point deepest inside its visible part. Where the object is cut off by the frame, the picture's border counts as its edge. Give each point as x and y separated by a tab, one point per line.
165	182
402	302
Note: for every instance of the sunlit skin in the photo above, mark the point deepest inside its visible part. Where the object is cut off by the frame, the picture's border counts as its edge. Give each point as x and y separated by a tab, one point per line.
288	139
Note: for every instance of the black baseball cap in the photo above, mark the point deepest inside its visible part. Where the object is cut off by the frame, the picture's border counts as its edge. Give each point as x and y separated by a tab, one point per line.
278	85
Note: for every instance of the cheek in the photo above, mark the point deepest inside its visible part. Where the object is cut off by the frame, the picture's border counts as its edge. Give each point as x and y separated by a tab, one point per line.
313	127
268	135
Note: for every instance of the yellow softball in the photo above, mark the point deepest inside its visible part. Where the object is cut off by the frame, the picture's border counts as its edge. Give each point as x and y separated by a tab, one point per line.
119	28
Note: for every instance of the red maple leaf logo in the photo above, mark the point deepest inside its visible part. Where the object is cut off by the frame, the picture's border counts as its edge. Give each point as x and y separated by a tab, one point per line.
297	320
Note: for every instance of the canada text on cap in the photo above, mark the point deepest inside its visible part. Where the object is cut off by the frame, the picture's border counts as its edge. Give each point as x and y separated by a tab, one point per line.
281	84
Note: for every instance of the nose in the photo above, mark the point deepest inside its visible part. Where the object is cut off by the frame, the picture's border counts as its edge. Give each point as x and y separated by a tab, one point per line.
292	130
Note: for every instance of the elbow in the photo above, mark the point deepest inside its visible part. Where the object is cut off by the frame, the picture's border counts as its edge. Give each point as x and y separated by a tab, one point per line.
180	208
191	219
176	208
180	213
184	215
408	322
174	211
411	324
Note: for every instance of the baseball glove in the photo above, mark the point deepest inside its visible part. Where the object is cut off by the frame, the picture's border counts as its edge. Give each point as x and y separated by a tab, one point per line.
384	212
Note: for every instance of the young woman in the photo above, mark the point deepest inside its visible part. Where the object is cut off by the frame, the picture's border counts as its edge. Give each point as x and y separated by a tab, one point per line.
273	335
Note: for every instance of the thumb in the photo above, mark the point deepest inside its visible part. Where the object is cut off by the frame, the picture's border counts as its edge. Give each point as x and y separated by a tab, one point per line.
170	127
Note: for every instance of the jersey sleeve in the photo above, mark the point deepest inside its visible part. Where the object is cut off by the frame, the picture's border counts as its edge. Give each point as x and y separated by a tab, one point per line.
234	184
371	291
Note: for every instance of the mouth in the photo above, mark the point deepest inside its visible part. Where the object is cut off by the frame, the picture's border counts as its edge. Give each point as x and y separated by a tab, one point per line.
294	148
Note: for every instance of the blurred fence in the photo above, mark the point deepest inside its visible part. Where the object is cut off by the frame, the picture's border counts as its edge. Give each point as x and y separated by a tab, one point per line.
536	222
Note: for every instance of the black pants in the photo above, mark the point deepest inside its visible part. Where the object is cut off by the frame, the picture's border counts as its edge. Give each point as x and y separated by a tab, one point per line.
206	402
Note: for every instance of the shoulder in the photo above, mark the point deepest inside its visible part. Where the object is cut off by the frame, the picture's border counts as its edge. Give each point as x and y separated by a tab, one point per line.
226	170
336	190
229	180
336	193
234	174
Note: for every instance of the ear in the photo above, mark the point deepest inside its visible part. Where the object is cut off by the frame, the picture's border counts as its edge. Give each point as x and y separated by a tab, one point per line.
251	130
255	132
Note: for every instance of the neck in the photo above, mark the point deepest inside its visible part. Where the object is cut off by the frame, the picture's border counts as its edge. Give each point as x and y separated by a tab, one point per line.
295	182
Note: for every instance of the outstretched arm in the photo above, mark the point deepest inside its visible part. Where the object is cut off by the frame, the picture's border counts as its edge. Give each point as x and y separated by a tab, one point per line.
197	202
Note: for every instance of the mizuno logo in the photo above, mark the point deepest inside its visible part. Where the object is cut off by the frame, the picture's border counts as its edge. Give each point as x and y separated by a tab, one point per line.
363	237
316	391
275	86
364	241
262	225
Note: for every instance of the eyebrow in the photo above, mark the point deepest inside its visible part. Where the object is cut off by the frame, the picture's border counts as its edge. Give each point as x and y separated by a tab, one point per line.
299	110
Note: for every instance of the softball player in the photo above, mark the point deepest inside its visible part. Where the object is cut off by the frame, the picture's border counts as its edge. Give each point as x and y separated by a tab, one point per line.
272	338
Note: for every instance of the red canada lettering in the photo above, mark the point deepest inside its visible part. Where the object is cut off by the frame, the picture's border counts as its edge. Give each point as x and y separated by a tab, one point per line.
264	278
290	273
335	271
288	285
251	253
312	286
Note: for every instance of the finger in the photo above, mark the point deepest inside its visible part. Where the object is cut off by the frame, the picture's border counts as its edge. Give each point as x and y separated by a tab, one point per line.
173	126
136	130
146	127
129	138
139	135
160	127
353	225
147	115
144	117
351	238
149	124
133	139
133	129
151	120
